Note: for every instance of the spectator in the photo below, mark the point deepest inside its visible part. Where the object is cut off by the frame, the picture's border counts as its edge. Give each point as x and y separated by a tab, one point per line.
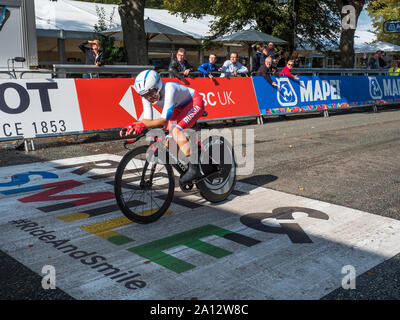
295	57
232	68
268	50
284	60
257	58
207	68
179	67
382	62
373	62
271	50
394	70
93	55
286	70
266	70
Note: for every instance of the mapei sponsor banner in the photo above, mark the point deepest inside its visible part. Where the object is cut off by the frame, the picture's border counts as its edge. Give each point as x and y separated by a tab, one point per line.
315	93
30	108
112	103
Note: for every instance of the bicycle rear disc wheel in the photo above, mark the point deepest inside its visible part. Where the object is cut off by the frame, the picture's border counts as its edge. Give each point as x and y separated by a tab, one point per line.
141	197
217	187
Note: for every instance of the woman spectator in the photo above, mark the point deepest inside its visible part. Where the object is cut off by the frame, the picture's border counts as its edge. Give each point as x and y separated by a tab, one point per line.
94	55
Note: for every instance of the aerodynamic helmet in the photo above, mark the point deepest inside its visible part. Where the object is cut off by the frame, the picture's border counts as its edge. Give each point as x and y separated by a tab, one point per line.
146	81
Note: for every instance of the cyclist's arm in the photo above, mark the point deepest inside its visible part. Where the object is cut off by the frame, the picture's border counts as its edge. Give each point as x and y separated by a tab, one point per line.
148	116
154	123
166	114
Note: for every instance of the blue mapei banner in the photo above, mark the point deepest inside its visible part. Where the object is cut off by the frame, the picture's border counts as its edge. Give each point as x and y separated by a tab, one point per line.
313	93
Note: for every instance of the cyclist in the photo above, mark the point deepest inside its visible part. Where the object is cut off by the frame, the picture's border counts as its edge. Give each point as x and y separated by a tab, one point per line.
182	107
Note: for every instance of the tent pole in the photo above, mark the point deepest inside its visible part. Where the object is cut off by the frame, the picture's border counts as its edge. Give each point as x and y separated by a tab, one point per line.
61	47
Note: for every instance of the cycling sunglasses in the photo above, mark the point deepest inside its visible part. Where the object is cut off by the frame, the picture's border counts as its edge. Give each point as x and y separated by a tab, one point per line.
150	94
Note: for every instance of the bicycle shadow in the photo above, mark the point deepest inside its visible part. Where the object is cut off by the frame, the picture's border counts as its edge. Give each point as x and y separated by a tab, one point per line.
252	183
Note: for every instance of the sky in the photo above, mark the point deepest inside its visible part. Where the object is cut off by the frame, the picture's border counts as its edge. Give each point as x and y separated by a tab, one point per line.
364	24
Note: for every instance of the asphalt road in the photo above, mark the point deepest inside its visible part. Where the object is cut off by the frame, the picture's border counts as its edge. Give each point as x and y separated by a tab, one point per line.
351	159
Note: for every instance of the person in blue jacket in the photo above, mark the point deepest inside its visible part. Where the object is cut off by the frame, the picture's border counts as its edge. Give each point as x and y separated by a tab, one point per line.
208	67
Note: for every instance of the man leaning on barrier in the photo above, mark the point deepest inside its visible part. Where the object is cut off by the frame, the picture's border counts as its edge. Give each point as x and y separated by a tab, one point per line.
233	68
207	68
179	67
266	70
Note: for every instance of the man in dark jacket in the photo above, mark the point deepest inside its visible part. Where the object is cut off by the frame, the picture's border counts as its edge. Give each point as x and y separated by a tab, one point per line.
257	58
373	62
93	55
179	67
266	70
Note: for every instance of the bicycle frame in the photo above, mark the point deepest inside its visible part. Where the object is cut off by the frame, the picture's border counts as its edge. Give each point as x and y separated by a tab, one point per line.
177	164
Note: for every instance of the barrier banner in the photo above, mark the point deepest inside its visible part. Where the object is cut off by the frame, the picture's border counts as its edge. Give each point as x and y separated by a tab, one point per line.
30	108
315	93
225	97
112	103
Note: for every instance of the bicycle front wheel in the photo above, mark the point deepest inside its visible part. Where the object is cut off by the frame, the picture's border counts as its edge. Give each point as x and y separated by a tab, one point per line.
144	187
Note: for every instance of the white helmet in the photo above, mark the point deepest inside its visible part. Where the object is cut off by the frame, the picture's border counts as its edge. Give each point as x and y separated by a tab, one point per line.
147	80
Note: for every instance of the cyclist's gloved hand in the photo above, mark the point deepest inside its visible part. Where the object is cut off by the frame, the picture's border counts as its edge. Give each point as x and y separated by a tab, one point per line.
135	128
139	128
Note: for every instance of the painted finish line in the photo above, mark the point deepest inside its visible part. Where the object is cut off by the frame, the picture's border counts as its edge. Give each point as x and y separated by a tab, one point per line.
260	244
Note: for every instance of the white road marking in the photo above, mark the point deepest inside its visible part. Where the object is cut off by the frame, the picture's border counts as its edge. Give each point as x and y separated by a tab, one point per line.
271	266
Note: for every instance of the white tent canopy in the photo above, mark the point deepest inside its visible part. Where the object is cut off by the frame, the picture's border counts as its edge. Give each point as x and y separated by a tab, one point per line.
156	32
379	45
76	19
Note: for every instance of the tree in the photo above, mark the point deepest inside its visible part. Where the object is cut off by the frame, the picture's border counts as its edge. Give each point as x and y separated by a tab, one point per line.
381	11
155	4
132	21
348	29
316	21
111	53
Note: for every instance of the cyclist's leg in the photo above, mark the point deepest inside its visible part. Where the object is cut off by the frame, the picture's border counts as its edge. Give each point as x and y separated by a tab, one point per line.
190	114
186	118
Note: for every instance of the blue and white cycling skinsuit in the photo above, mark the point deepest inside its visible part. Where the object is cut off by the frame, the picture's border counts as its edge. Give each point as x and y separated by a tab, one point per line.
180	104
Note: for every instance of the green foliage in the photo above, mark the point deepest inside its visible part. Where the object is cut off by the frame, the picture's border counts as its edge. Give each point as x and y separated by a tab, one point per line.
102	1
112	54
381	11
155	4
317	22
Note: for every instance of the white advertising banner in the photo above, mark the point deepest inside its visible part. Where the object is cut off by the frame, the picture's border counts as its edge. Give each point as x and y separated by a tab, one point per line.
31	108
